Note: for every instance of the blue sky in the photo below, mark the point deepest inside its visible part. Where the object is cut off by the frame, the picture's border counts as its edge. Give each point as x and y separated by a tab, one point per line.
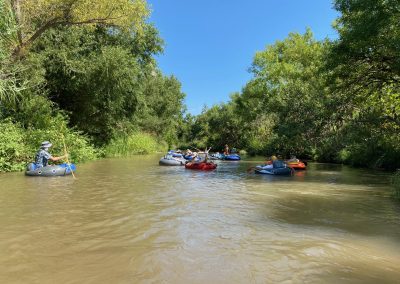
210	44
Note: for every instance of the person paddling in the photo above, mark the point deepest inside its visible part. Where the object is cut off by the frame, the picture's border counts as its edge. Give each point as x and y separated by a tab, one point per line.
43	156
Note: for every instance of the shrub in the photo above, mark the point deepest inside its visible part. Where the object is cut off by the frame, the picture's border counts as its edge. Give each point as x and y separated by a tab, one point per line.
13	151
78	145
136	143
19	145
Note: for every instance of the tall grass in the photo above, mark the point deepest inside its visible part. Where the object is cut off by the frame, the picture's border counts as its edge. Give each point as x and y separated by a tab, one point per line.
136	143
396	185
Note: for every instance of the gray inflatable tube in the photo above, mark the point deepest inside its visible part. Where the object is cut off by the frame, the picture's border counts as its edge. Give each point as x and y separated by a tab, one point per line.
171	162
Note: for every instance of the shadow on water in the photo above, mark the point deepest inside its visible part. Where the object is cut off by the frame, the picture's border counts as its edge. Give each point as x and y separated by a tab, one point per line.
369	274
360	213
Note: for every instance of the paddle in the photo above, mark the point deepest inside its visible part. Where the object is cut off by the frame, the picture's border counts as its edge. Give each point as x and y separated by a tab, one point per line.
66	153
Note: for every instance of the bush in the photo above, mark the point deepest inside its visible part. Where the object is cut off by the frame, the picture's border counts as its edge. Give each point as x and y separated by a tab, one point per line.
78	145
19	145
136	143
13	151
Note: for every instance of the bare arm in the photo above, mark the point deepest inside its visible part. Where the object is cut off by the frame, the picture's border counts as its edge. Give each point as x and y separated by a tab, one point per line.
55	159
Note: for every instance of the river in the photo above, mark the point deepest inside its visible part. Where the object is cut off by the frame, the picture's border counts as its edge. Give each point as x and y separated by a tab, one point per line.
132	221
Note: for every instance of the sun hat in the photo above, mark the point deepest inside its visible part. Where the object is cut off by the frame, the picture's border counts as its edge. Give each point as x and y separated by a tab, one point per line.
46	144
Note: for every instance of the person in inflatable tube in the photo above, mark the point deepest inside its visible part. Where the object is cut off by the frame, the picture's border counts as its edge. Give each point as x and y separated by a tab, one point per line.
293	159
205	155
269	162
43	156
226	150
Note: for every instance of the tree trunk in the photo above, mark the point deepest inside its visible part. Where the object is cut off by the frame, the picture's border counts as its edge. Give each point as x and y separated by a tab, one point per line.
16	7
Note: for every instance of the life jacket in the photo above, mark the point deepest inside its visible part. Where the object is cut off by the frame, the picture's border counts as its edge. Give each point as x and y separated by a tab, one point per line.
278	164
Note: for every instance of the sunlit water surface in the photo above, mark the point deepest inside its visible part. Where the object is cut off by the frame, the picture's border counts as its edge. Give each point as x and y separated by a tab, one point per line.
132	221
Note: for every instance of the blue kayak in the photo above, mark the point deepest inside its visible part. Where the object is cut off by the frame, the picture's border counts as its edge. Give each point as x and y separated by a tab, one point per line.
50	171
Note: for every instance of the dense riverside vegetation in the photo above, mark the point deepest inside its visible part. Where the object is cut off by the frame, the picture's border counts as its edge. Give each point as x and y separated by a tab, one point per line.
331	101
87	70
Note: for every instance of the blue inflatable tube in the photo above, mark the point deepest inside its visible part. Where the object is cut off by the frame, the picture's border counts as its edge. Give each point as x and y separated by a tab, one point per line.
174	154
50	171
190	158
216	156
273	171
232	157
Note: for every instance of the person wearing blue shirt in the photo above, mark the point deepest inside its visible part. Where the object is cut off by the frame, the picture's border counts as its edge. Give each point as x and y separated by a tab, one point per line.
43	156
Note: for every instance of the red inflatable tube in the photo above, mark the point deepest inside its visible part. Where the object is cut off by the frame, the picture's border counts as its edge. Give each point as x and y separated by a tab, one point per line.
203	166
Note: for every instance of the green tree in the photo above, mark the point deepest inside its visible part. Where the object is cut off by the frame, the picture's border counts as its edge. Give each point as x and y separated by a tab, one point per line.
34	17
281	109
364	75
108	81
288	85
161	110
10	85
365	60
216	126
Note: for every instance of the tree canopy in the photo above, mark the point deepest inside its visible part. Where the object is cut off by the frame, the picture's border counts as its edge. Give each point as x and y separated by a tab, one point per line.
33	18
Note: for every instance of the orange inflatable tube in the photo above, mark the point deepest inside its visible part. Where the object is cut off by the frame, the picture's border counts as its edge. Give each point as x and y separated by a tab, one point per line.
296	165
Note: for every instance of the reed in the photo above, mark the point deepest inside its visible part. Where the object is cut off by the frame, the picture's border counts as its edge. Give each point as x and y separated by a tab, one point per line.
134	144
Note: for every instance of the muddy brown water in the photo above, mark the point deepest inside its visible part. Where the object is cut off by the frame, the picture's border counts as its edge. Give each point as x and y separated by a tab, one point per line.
132	221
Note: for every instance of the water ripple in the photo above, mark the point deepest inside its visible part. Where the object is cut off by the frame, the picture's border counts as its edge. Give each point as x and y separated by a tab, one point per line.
131	221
